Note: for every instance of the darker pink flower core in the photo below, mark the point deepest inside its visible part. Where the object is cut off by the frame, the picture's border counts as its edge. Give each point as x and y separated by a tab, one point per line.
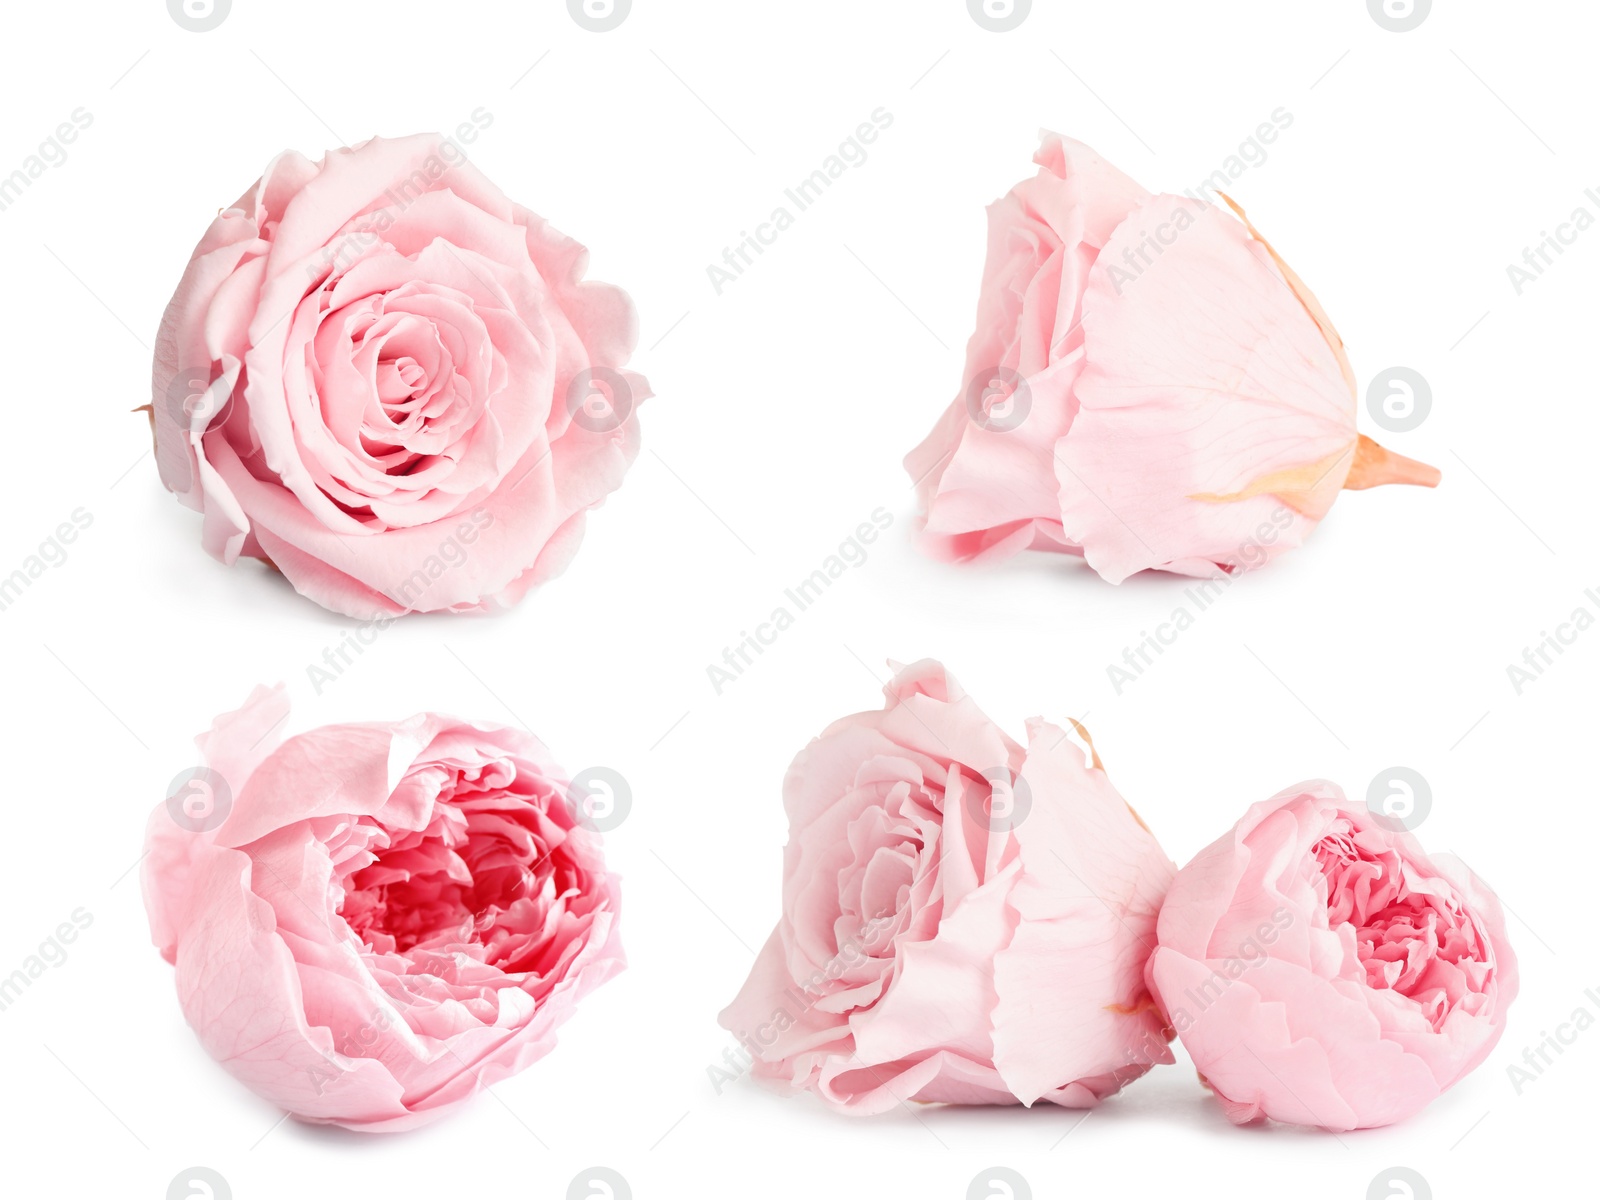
498	888
1412	933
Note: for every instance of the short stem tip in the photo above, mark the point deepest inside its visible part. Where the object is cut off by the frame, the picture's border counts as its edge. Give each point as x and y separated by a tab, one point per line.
1374	466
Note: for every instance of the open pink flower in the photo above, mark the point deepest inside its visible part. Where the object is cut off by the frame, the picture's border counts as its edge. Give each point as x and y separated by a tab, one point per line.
390	382
963	920
1322	970
372	922
1149	385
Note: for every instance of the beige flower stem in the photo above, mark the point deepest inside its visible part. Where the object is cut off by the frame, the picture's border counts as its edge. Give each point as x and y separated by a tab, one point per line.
1374	466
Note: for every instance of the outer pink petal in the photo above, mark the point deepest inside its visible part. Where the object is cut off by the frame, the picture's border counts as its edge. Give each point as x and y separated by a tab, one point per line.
236	743
1205	373
240	991
776	1019
181	343
1073	1005
942	997
333	771
1283	1043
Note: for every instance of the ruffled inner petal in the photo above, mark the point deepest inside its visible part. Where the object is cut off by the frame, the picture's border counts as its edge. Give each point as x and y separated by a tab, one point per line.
1409	936
496	887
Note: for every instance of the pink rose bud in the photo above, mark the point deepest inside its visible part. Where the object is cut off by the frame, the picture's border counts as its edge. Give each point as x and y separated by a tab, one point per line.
1321	969
385	379
372	922
963	920
1149	386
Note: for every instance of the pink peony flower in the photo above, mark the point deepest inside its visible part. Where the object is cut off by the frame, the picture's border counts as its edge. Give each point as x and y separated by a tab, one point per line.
963	920
388	381
1149	385
1322	970
372	922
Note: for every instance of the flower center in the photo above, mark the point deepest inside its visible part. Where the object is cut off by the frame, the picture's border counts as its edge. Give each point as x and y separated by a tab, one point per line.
486	877
1418	943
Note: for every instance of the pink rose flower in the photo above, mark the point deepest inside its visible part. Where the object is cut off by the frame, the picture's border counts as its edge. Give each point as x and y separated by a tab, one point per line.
372	922
388	381
1149	386
963	920
1322	970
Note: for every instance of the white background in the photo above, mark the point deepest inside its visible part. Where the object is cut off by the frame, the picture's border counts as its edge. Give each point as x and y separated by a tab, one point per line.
1418	166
